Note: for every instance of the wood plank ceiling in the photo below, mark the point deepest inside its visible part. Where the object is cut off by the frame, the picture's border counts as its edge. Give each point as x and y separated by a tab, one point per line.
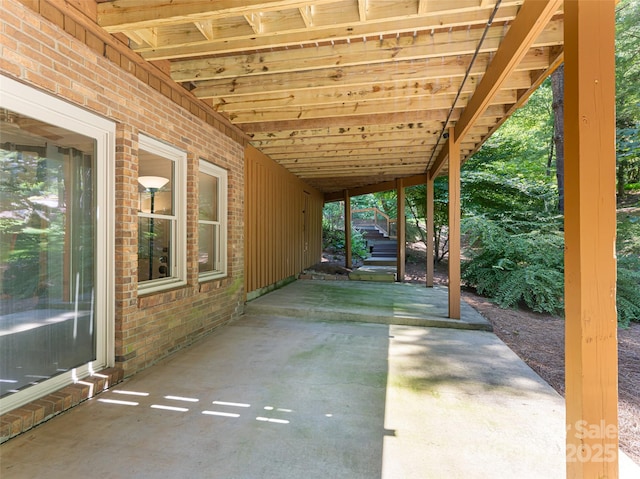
350	93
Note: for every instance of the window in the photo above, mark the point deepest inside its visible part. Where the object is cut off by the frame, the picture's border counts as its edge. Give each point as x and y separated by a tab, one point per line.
161	215
56	247
212	222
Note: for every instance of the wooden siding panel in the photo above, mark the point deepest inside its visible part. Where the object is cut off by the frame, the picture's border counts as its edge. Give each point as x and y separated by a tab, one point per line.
274	222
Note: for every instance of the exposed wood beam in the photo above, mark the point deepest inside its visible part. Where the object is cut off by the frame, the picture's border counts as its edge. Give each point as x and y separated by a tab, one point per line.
327	110
443	69
375	188
438	165
346	141
529	23
121	15
206	28
386	173
319	34
361	132
421	47
255	20
429	198
352	150
454	224
401	233
557	58
354	121
347	229
346	95
306	13
591	346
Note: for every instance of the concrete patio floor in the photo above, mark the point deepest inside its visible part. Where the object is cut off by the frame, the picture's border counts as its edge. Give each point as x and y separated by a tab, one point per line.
305	393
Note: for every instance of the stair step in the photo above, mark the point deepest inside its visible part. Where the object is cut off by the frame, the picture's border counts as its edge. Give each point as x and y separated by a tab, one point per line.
381	261
374	273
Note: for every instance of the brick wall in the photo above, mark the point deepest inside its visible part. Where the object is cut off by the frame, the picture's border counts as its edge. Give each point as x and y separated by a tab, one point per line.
61	53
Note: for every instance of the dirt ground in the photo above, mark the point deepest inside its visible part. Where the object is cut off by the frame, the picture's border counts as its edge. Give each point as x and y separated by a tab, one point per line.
539	340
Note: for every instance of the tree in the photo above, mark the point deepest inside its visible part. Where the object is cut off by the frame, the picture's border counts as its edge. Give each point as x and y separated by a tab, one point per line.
627	92
557	88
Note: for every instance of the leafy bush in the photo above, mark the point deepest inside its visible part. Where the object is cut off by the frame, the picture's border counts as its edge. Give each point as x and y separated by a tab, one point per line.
333	240
525	268
628	290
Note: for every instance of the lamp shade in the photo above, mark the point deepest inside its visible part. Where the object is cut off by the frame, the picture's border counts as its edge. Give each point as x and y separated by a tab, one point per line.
153	182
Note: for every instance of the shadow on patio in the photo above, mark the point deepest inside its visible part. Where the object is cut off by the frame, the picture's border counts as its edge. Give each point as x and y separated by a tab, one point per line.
303	393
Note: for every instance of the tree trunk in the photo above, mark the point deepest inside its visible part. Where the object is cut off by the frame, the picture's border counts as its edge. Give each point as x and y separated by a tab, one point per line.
557	89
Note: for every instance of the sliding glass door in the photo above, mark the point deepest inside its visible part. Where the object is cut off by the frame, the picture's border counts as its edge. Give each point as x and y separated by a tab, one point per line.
51	315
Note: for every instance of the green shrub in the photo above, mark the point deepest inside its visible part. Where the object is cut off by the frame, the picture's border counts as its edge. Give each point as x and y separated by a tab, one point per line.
333	240
513	269
628	289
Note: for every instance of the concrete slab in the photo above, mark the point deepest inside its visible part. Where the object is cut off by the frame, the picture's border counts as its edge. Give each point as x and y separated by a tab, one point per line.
313	397
285	398
386	274
395	303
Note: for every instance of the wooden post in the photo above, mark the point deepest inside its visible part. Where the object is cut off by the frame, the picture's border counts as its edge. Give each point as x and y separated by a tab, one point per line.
430	241
591	362
348	261
401	233
454	226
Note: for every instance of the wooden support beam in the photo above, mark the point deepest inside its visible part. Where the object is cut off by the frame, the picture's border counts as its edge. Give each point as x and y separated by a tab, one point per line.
532	17
401	233
430	225
120	15
454	225
591	361
347	229
375	188
440	161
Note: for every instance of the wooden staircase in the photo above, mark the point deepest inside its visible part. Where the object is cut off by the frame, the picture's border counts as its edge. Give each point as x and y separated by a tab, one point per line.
382	249
381	264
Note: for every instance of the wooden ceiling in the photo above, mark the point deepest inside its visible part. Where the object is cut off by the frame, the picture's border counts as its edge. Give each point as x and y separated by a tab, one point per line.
351	93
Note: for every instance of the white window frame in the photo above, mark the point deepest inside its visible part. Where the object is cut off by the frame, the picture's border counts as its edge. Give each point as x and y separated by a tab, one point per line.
222	175
34	103
178	250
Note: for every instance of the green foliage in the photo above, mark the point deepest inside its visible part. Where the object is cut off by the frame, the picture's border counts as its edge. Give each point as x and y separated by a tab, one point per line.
333	240
628	237
517	199
513	269
416	210
628	289
628	285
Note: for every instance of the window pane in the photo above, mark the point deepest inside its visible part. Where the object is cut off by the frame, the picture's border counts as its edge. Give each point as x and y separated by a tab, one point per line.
47	251
154	253
208	198
155	184
207	240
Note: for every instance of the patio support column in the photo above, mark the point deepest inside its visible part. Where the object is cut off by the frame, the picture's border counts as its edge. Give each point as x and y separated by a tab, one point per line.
454	225
348	262
430	242
401	232
591	363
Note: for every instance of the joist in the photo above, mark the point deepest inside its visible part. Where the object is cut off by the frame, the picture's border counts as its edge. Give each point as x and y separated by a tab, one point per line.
445	68
345	95
358	108
349	86
234	37
420	47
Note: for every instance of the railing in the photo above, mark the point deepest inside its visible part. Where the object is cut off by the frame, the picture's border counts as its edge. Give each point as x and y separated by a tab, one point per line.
374	217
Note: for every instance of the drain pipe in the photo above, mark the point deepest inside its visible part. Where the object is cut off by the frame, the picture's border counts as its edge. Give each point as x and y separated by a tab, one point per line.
466	76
